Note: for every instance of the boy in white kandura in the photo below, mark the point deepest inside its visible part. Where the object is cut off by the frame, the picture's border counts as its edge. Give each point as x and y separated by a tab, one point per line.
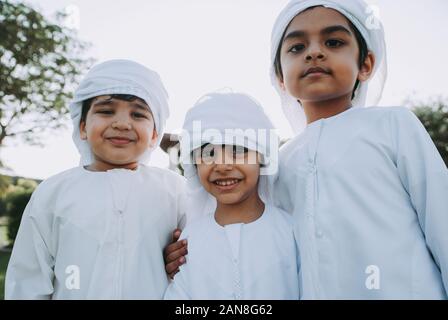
97	231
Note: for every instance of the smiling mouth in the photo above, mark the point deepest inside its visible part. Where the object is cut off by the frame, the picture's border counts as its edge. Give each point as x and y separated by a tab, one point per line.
226	184
119	140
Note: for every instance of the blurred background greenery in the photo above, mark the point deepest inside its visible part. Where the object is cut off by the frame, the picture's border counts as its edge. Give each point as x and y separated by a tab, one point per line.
41	61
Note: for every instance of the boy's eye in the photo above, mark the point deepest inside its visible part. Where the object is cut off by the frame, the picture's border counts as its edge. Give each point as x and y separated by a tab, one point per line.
238	150
207	152
296	48
208	155
333	43
105	111
139	115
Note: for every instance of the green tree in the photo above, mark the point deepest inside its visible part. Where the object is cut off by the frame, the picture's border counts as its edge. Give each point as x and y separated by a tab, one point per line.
40	62
434	116
15	201
5	182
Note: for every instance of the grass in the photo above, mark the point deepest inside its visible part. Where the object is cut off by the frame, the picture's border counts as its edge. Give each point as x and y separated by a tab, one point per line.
4	258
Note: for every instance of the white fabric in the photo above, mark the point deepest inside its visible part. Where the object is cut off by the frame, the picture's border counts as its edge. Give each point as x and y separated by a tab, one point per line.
112	226
367	187
120	77
239	261
225	118
363	18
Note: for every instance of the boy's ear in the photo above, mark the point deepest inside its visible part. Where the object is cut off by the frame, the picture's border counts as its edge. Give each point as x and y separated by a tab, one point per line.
82	130
281	83
154	138
367	68
260	159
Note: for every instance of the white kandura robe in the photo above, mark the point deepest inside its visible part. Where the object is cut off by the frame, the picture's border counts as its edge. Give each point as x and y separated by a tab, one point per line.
111	227
239	261
369	195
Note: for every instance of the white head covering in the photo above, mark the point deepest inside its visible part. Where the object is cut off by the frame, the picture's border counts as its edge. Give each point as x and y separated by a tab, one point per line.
363	18
120	77
226	119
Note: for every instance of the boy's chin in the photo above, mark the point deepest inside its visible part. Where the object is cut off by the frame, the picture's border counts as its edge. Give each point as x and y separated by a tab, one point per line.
229	199
318	96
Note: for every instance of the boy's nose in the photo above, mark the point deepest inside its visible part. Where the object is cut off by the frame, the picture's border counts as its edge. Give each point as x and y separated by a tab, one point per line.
315	56
314	53
221	167
121	124
223	160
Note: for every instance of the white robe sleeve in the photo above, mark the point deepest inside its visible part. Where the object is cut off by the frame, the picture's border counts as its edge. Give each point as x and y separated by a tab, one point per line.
30	269
425	177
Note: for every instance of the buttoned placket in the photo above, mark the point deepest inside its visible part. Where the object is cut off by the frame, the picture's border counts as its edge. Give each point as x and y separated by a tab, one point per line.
313	231
120	184
233	233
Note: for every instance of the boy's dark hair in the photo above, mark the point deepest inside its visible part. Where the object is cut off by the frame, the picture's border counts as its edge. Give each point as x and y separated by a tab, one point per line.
362	44
86	104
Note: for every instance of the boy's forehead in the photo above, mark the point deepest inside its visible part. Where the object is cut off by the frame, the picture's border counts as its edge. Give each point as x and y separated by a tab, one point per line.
317	19
106	98
127	97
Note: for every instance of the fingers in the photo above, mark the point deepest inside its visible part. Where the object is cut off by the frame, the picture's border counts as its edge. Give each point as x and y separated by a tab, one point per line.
176	235
175	251
174	254
171	251
173	267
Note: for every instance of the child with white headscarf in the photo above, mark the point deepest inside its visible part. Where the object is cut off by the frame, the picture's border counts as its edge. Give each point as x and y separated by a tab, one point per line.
97	231
366	186
240	246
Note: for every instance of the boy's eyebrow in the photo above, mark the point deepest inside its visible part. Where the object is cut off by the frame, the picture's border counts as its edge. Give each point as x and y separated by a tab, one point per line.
141	105
333	29
101	102
325	31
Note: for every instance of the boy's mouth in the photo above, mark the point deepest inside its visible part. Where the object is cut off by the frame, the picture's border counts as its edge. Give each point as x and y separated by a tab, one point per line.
315	70
226	184
119	140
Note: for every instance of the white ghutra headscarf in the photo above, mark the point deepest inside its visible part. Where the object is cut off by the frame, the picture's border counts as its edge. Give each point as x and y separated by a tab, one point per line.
226	119
368	24
120	77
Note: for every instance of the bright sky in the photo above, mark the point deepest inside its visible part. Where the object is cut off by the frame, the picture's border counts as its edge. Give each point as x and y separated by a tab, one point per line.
199	46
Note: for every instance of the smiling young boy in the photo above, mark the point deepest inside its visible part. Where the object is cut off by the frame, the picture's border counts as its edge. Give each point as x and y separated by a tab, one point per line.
240	246
97	231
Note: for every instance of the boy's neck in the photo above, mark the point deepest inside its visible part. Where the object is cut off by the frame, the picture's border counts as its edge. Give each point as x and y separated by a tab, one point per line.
316	110
99	166
245	211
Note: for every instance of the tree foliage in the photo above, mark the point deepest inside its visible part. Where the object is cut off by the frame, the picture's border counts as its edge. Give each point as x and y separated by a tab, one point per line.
40	62
434	116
